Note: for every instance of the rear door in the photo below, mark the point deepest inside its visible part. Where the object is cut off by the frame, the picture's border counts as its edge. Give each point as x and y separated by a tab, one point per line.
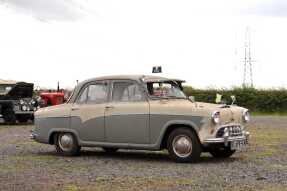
127	114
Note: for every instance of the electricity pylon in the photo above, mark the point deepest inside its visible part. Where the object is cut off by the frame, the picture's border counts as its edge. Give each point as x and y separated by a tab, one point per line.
248	71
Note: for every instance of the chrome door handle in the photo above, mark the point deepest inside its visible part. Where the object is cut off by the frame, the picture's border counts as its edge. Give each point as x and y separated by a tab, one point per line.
75	108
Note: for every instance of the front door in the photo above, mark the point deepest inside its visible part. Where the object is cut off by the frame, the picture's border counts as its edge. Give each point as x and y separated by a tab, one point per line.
88	112
127	114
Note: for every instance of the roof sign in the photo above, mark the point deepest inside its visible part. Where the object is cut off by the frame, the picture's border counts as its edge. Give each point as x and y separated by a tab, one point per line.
156	69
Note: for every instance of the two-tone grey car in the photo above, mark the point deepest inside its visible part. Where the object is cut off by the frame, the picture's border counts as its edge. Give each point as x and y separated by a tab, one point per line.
141	112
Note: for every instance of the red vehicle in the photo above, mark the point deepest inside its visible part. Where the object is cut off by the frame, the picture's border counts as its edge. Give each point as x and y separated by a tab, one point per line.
52	98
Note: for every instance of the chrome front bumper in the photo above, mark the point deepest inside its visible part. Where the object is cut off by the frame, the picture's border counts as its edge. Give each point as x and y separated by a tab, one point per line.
228	139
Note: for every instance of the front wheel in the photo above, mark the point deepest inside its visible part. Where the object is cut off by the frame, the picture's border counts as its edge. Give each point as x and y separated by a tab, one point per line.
67	144
183	145
9	116
223	152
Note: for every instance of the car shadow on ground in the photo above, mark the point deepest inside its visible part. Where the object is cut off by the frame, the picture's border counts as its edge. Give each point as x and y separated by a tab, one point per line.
140	156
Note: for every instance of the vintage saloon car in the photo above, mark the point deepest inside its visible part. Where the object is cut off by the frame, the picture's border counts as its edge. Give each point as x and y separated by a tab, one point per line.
141	112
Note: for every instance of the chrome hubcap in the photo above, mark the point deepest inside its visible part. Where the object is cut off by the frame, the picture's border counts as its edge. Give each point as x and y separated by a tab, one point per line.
66	142
182	146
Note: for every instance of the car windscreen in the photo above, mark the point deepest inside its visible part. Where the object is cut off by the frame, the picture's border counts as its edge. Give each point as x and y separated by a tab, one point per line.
5	88
166	89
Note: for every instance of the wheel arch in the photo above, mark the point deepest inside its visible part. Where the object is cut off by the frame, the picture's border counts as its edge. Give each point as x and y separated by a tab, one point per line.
53	132
171	126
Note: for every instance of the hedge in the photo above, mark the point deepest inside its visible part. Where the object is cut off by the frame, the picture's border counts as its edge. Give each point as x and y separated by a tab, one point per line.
256	100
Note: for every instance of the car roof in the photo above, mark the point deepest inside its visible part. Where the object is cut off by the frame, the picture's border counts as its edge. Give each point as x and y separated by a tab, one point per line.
144	78
140	78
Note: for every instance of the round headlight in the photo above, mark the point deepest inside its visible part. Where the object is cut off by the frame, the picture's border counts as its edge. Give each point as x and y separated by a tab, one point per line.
22	102
24	108
215	117
246	116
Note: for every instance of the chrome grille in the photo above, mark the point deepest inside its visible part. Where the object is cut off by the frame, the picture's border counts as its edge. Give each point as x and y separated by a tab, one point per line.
234	131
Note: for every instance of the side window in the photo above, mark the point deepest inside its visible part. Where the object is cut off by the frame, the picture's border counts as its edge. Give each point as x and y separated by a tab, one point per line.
126	91
94	93
83	96
98	93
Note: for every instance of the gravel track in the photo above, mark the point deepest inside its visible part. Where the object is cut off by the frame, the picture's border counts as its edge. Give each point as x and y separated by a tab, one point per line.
26	165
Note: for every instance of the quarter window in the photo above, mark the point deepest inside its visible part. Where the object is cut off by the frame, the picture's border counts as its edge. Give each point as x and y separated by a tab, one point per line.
126	91
83	96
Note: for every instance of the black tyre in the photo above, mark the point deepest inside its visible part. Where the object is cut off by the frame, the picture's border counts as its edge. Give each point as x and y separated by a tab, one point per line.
223	152
22	118
66	144
110	149
183	145
9	116
32	118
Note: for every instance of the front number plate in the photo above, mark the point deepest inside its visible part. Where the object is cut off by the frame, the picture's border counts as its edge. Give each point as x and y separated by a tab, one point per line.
238	145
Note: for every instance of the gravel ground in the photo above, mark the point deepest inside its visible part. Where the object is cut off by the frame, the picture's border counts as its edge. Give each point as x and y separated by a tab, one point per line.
26	165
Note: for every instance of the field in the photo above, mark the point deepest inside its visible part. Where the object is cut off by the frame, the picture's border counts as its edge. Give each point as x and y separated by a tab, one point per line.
26	165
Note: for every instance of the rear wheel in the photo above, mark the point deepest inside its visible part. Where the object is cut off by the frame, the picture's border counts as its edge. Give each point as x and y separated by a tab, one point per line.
223	152
9	116
110	149
183	145
67	144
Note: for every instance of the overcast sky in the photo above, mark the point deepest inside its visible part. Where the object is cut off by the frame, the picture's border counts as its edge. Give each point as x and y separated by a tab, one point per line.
45	41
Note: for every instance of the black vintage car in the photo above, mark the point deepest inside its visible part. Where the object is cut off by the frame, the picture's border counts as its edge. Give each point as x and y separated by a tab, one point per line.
17	102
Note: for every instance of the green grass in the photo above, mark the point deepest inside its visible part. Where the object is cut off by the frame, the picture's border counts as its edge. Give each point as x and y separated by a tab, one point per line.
264	187
71	188
266	143
269	114
6	127
138	183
